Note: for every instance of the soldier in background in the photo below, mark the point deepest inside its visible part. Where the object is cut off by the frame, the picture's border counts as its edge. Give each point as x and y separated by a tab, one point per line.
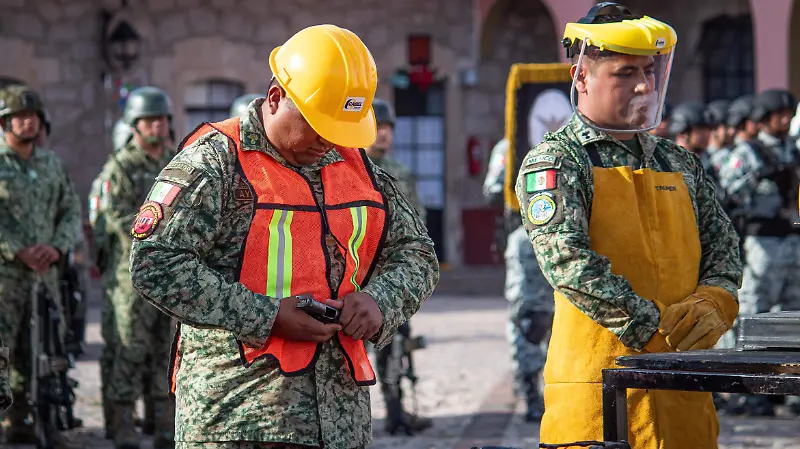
137	334
721	137
388	362
529	295
760	179
39	225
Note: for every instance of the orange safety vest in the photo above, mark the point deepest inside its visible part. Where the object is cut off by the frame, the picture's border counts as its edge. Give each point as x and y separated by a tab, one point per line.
286	253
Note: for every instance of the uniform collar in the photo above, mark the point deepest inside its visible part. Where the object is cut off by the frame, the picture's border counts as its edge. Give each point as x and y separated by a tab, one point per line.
253	138
6	149
586	135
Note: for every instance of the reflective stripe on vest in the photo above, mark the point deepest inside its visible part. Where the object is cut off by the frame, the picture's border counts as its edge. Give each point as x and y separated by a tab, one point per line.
286	252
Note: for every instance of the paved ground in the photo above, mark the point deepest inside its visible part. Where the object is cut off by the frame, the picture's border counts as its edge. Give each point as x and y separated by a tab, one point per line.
465	385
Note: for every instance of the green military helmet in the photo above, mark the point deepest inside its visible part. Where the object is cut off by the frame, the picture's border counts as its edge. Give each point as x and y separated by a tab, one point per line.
146	101
121	134
384	112
17	98
240	104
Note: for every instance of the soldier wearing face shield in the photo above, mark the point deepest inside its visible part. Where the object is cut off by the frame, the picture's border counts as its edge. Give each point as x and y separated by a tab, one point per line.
572	191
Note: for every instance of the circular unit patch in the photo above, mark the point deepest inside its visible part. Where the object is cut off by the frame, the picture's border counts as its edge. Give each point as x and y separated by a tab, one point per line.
150	214
542	208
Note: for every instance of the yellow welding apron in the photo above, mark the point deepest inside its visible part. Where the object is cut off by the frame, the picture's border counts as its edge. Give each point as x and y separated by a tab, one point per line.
644	223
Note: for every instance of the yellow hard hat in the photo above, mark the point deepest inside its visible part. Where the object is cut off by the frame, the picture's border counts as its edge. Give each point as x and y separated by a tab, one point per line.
331	76
610	26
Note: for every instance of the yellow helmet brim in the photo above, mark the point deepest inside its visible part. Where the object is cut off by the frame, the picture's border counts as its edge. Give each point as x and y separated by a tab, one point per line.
640	37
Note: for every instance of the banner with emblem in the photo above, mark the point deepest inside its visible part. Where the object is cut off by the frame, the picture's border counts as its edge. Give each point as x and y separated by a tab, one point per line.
537	101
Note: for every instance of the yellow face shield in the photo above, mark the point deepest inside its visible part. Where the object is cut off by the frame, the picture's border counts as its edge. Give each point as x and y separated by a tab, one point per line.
641	52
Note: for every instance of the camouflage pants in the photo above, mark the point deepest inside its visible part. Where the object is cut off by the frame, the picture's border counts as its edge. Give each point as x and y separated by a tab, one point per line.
141	337
15	312
528	360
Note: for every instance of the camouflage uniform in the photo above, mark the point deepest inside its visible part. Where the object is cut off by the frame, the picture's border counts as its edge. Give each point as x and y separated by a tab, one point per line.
5	387
201	239
140	334
562	244
404	179
529	295
40	206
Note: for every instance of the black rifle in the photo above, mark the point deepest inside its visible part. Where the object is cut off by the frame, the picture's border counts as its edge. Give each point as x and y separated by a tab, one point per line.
72	288
399	364
51	395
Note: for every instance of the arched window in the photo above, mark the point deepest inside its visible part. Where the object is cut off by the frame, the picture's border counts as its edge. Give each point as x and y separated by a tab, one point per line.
728	59
210	101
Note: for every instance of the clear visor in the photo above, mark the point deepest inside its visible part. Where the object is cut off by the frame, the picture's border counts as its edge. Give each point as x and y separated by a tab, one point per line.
634	99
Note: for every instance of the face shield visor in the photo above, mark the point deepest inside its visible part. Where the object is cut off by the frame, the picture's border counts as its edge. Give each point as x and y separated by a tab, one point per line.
640	93
622	72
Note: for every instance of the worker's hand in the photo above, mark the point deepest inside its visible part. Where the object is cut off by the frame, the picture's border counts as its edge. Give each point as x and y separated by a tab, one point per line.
294	324
47	254
361	317
694	323
35	257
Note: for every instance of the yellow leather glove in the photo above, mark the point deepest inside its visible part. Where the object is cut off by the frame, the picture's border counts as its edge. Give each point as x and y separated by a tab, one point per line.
700	320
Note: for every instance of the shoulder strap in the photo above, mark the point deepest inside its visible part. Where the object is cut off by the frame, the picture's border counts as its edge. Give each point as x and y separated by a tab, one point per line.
229	128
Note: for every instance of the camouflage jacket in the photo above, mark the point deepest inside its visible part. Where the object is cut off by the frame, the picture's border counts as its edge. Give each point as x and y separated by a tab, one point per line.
189	268
405	179
562	244
5	386
751	180
39	204
125	181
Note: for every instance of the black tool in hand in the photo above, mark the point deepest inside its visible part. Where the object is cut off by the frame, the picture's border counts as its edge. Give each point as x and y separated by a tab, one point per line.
317	310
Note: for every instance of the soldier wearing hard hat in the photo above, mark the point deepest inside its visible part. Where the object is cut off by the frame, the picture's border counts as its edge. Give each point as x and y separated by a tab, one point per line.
260	212
589	194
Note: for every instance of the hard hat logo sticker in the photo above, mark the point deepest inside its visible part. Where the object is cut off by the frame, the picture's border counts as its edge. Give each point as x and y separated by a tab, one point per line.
661	42
353	104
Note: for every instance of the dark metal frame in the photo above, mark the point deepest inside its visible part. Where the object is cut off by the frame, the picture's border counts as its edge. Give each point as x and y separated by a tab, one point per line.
616	382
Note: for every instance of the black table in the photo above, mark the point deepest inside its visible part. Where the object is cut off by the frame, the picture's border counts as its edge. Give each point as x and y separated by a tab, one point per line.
730	371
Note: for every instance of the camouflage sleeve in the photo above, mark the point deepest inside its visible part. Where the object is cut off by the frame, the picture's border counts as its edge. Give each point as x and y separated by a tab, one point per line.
738	174
561	242
69	219
121	201
10	244
720	264
5	388
407	269
170	268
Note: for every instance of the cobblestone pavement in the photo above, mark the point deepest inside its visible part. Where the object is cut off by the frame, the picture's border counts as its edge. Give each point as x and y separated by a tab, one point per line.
465	385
